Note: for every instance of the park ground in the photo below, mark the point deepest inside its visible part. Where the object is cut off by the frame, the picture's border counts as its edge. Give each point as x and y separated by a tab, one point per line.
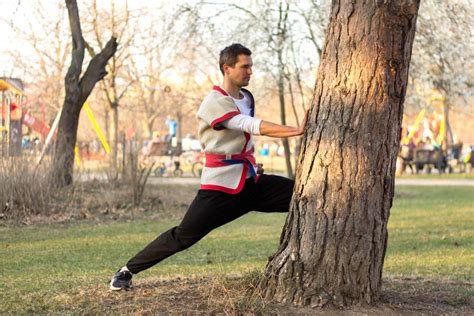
62	263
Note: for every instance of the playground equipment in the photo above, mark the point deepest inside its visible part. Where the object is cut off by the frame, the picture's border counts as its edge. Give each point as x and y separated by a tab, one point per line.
14	115
428	143
12	97
53	129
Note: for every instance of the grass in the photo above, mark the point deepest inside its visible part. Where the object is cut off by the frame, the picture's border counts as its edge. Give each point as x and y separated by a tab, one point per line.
430	233
48	268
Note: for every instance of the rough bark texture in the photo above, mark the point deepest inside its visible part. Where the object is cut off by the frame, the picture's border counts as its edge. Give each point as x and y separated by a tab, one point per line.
333	243
77	90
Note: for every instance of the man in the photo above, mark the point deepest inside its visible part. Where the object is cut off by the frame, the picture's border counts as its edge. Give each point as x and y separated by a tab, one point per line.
232	184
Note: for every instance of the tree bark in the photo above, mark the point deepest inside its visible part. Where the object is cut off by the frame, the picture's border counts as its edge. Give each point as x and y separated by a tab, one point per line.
77	90
333	244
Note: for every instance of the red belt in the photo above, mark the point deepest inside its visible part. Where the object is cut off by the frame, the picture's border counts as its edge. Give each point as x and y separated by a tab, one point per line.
222	160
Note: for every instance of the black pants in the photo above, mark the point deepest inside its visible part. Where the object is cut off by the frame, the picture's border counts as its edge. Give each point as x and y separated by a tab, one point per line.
211	209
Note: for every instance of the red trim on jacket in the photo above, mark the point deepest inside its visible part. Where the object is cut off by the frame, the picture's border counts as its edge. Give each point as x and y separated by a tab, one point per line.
217	88
223	118
247	139
216	161
244	150
239	187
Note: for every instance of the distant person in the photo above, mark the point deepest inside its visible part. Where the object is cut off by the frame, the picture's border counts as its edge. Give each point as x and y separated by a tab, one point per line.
172	128
265	150
431	144
232	184
406	154
25	143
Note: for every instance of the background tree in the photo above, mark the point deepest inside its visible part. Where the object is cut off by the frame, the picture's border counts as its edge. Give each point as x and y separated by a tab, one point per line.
276	27
333	243
441	59
116	83
43	58
78	89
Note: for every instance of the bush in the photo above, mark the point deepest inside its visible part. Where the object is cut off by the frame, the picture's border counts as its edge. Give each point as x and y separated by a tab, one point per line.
24	190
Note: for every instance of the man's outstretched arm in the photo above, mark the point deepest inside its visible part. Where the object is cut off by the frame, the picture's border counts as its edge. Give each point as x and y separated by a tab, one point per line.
256	126
276	130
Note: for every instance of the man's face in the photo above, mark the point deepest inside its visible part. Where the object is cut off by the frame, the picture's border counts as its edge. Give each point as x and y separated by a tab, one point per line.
242	71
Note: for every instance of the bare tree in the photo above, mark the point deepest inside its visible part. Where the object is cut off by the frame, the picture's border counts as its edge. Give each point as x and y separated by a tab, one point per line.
43	69
333	243
282	40
78	89
274	27
116	84
441	59
279	40
151	59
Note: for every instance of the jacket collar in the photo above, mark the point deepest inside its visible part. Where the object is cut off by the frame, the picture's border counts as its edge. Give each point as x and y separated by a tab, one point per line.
252	100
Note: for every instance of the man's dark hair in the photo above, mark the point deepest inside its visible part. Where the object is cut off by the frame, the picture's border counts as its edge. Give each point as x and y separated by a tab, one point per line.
229	55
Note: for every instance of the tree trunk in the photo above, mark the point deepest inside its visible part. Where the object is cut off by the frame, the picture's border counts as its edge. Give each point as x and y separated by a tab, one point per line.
77	91
115	141
179	118
448	134
149	128
286	144
333	243
107	124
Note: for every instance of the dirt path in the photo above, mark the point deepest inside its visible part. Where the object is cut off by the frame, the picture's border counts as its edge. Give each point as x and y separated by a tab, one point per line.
435	182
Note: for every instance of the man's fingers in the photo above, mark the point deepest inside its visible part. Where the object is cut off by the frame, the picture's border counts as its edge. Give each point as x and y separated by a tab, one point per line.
306	115
304	122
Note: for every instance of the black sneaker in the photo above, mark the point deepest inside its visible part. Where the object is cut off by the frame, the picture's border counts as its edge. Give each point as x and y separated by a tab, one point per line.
121	280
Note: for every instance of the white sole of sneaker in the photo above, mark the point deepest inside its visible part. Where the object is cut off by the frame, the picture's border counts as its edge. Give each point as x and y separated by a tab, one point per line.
113	288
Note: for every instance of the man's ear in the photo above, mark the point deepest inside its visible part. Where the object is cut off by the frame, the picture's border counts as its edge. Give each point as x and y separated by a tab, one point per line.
225	67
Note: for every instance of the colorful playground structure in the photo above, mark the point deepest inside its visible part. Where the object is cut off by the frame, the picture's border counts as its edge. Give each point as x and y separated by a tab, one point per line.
15	114
12	96
429	144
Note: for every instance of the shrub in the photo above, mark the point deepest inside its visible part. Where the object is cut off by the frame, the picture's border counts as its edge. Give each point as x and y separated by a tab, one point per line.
24	189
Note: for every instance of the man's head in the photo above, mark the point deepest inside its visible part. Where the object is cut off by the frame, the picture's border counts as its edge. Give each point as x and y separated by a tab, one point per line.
236	64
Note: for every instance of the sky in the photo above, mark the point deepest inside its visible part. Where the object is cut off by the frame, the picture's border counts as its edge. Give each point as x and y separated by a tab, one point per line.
9	8
18	12
21	14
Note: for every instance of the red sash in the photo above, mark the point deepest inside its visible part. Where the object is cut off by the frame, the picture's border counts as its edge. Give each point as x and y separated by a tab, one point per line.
222	160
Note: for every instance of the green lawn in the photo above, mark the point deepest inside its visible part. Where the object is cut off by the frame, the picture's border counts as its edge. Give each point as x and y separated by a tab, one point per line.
431	237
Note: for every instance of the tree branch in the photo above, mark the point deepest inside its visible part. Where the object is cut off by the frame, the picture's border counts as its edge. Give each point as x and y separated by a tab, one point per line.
74	70
96	69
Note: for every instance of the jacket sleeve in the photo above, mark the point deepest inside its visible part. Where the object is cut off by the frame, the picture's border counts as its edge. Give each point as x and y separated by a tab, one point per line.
216	109
244	123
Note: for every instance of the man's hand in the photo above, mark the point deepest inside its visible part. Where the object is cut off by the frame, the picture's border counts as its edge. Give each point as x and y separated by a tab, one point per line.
275	130
303	123
260	169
